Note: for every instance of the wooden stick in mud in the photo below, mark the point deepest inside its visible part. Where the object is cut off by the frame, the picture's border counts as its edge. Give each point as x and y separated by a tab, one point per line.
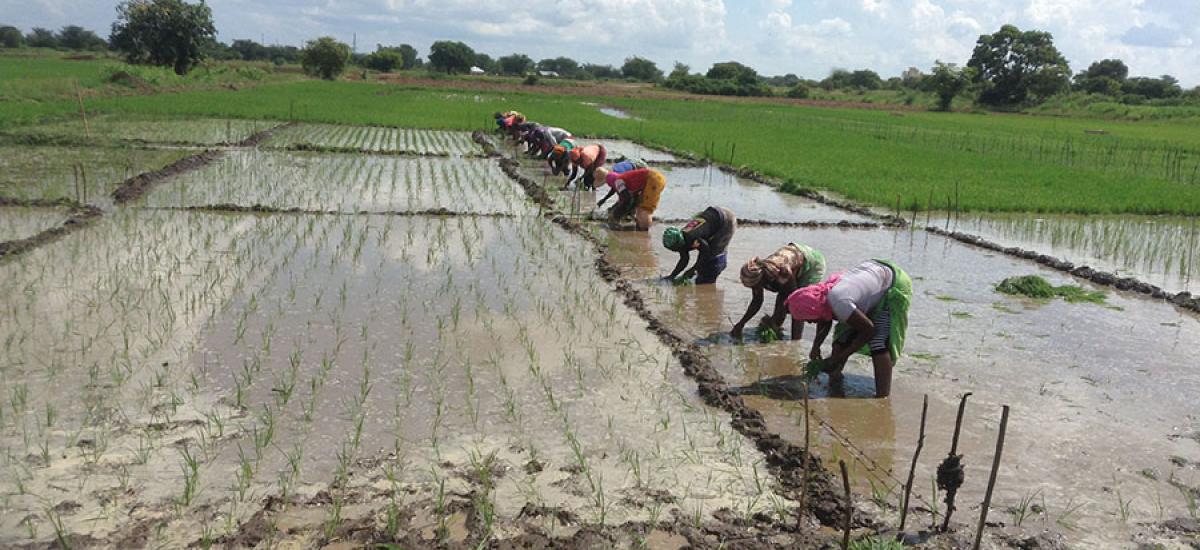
912	471
954	457
849	506
87	130
987	497
804	487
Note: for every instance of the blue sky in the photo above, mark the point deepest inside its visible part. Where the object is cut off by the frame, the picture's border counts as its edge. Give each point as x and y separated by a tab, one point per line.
808	38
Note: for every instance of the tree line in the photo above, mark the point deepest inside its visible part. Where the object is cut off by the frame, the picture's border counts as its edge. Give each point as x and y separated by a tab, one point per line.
1010	68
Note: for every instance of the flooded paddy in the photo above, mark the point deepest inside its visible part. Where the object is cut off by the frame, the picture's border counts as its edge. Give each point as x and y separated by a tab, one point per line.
374	139
1103	396
1160	250
81	174
19	222
250	378
203	131
345	183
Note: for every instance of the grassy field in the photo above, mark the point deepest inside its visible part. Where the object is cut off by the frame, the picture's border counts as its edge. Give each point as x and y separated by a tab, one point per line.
914	159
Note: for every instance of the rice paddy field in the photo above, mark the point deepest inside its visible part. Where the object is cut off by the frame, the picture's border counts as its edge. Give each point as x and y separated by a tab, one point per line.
369	327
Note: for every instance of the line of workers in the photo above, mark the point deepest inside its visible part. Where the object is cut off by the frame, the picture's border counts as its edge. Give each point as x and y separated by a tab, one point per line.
869	301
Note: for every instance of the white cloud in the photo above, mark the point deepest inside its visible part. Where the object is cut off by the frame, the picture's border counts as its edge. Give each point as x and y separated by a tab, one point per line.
875	7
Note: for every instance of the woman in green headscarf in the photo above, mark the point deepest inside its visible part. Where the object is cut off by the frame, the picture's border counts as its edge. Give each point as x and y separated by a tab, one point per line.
709	232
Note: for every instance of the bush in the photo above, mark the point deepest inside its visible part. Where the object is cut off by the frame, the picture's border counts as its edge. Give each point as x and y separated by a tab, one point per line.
531	80
325	57
384	61
703	85
799	91
10	37
163	32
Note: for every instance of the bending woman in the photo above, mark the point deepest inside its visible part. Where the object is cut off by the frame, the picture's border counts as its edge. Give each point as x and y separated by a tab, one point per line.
789	268
871	305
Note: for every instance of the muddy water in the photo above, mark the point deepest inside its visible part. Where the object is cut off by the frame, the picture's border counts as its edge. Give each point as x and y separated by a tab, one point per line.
294	356
345	183
1102	396
21	223
1160	250
618	148
691	190
375	139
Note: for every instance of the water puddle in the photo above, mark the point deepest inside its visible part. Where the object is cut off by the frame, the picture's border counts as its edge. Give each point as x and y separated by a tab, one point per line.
18	222
616	113
1160	250
1093	422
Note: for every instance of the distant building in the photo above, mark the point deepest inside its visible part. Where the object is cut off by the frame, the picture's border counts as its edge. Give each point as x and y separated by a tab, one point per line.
477	70
548	74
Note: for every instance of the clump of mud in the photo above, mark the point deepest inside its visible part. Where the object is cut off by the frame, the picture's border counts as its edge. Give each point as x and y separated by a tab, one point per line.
1034	286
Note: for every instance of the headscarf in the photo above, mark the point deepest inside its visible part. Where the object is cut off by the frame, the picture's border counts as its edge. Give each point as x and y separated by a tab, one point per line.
673	239
811	303
601	174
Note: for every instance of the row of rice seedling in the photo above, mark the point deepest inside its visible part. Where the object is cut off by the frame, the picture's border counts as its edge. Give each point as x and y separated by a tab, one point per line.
284	351
80	174
346	183
375	139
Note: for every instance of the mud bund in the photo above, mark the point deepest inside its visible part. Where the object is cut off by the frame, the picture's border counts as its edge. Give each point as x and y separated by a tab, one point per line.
79	216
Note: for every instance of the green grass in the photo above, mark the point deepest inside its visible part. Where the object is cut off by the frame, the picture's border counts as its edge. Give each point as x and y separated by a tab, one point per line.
917	160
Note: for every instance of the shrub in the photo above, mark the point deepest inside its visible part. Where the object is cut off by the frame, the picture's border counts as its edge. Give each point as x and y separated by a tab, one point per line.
325	57
799	91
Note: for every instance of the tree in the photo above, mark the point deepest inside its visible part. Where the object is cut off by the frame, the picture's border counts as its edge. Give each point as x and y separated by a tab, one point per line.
947	81
912	77
409	54
451	56
384	60
1152	88
865	79
74	37
41	38
681	70
249	50
564	66
1014	67
732	70
325	57
10	37
786	81
837	79
1103	77
163	32
515	64
641	69
798	91
601	71
485	62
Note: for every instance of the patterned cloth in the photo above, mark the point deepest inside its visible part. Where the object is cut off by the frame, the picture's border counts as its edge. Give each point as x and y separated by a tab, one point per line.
794	263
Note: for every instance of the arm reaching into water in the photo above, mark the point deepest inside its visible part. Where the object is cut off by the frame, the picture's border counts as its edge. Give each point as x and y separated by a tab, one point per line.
751	310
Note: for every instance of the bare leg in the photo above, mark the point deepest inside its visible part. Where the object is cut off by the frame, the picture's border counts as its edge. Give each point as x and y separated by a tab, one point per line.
643	219
883	373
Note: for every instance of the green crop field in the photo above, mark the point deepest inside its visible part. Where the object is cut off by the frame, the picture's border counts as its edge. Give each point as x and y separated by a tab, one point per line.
910	159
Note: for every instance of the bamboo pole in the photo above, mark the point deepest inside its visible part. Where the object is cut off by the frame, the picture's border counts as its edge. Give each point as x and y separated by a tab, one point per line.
987	497
912	471
849	506
87	129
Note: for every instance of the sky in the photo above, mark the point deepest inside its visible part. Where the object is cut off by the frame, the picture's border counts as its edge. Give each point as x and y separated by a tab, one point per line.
807	38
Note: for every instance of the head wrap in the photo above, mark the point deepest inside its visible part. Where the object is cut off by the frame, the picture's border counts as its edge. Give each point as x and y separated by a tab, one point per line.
673	239
752	273
574	154
811	303
601	174
558	150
